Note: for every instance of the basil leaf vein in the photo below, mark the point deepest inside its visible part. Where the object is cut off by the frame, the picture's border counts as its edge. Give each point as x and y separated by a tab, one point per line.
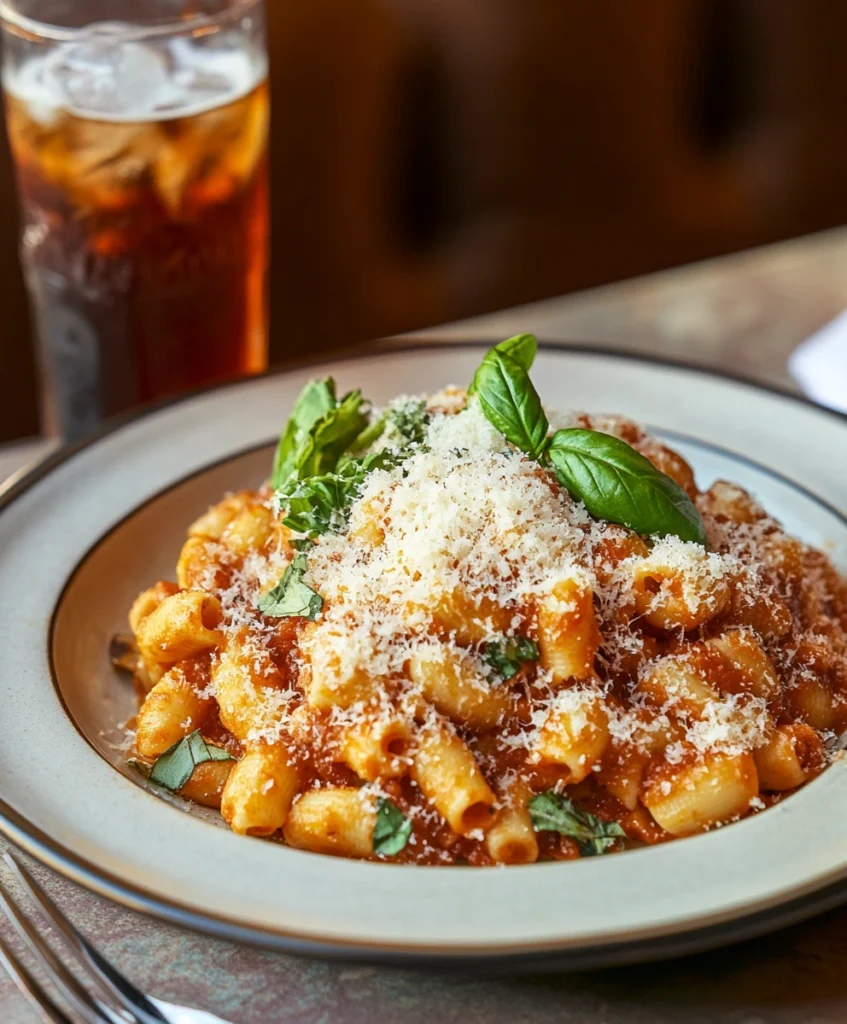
553	812
522	348
620	485
506	655
511	403
391	828
291	596
176	766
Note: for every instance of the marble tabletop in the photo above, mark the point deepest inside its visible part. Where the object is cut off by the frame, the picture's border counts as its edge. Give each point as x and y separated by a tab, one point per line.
744	313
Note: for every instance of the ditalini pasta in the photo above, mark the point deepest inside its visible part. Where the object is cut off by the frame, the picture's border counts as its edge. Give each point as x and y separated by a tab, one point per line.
447	632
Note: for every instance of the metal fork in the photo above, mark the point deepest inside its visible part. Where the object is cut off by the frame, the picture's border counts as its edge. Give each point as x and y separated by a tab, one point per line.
117	1001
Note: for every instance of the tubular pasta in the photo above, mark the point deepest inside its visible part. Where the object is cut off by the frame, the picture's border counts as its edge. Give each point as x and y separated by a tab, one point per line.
337	821
461	664
183	625
449	776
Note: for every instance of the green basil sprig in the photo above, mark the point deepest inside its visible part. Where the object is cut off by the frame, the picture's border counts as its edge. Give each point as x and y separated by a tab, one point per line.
316	400
505	656
511	403
552	812
615	482
620	485
319	432
391	828
176	766
318	472
331	436
522	348
291	596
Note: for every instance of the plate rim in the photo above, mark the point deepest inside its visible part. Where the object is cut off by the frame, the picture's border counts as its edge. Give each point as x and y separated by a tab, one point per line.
708	934
667	944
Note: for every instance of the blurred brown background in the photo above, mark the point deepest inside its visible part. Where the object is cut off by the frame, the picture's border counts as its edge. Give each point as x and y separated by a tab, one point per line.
439	158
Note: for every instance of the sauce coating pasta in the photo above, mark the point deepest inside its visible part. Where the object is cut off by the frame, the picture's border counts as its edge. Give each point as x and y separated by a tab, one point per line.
457	637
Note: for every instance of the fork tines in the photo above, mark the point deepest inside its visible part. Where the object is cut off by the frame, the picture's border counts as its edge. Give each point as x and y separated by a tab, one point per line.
113	990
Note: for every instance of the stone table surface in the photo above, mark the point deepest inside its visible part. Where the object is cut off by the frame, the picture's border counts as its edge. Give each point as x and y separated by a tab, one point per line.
744	313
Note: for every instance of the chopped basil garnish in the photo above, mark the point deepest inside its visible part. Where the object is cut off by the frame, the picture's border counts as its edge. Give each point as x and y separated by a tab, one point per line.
612	479
409	419
522	348
176	766
291	596
507	655
620	485
511	403
319	432
321	504
552	812
391	829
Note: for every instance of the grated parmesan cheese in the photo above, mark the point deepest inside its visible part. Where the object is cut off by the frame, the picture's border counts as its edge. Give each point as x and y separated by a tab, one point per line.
457	545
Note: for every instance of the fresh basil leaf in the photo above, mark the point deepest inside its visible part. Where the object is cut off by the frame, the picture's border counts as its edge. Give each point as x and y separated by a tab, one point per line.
331	436
506	656
302	543
319	432
370	435
291	596
322	504
391	829
176	766
522	348
511	403
552	812
316	399
409	419
620	485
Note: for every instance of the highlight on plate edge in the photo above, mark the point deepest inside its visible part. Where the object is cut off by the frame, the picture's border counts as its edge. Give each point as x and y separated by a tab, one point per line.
469	629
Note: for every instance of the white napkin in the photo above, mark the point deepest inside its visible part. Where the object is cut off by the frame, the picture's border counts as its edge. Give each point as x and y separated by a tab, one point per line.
819	365
183	1015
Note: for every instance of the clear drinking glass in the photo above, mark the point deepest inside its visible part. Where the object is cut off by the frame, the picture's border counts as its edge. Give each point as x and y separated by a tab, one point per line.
139	130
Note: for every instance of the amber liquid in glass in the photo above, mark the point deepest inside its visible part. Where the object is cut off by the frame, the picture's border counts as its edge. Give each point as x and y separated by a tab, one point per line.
145	247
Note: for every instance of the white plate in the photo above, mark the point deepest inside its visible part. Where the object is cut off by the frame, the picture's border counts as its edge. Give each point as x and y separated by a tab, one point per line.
83	534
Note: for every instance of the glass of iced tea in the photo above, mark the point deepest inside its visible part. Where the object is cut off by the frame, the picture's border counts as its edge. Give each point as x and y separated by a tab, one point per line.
139	130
